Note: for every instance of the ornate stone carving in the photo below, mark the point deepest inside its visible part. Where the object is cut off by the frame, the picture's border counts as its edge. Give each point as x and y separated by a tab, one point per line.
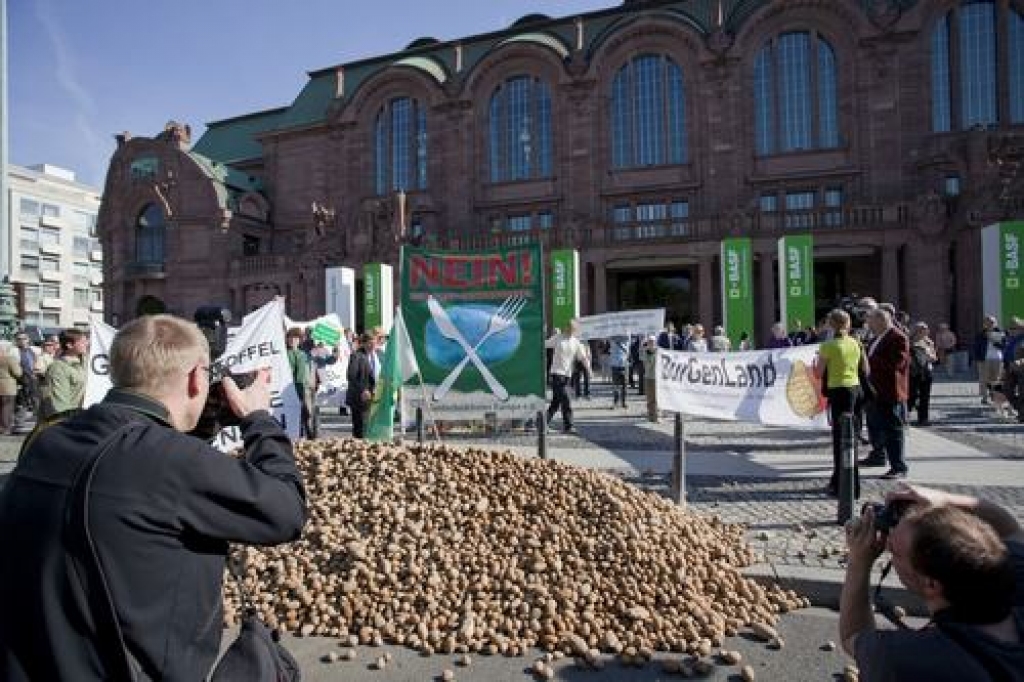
883	13
177	134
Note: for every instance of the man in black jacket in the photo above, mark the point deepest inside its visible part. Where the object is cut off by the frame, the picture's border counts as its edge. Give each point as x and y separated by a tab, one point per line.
162	508
362	381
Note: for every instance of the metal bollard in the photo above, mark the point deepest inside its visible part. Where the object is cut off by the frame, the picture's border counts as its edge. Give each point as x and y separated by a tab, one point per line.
847	455
542	434
419	424
679	463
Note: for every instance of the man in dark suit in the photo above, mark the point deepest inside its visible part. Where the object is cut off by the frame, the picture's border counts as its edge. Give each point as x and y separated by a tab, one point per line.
361	383
889	359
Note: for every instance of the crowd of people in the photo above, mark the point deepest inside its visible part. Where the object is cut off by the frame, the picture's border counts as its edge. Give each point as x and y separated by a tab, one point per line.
43	380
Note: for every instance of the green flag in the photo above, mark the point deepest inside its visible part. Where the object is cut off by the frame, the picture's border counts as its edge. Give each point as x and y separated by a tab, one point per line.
381	423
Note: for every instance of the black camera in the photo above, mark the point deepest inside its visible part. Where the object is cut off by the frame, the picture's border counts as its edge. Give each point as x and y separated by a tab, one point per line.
217	413
851	305
887	515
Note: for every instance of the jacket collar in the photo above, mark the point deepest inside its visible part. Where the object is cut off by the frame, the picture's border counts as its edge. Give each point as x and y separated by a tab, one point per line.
138	402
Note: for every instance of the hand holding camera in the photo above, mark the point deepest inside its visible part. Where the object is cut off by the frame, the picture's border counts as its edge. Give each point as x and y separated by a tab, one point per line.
251	398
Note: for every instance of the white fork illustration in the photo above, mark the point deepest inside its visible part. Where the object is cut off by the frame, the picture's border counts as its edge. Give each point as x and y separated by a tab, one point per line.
503	318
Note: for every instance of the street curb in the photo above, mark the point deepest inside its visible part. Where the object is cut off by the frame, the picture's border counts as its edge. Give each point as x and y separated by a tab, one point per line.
824	586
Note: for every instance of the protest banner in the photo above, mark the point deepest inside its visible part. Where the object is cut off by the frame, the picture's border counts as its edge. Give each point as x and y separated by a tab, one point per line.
778	387
475	324
630	322
258	342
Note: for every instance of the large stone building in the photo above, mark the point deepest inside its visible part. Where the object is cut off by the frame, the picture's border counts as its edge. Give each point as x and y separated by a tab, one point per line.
642	135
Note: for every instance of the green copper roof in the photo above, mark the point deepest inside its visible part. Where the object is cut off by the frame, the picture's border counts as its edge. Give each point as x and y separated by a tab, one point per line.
427	65
540	39
234	139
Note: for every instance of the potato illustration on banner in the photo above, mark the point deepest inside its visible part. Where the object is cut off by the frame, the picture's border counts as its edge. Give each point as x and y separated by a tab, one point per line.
803	390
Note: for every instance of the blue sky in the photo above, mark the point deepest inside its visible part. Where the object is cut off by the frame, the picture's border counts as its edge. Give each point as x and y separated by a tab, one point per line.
80	71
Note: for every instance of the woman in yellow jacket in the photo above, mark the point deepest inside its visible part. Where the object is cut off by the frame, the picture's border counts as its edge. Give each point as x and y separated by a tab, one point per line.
842	359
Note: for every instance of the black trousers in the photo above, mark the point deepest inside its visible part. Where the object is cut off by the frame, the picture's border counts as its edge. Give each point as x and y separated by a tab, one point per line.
920	396
560	399
581	380
618	386
841	401
359	414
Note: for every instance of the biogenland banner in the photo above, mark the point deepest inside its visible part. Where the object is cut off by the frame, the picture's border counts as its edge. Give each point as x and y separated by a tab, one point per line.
773	387
796	281
1002	277
475	322
258	342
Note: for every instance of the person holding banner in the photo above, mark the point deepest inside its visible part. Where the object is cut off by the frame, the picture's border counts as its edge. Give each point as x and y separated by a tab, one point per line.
620	356
567	349
362	380
162	507
302	377
842	362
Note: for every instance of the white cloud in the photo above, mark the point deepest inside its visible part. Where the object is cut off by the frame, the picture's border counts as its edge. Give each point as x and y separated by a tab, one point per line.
93	145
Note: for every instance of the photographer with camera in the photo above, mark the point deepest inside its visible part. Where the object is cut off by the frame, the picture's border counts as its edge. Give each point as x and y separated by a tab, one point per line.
964	557
116	522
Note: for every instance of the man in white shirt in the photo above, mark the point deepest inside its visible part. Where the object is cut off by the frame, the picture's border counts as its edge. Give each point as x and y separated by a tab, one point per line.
566	349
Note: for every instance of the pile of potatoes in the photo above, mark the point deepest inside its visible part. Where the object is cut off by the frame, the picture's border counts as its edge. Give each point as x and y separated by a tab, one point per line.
464	550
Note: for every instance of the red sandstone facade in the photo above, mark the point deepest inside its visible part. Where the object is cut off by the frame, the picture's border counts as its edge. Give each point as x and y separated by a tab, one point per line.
240	225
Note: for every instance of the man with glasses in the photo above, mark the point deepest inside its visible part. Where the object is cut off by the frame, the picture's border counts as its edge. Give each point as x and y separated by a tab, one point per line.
964	557
162	508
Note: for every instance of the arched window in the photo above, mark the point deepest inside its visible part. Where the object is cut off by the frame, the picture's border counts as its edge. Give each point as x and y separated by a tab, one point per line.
150	230
400	146
648	113
520	130
967	82
795	94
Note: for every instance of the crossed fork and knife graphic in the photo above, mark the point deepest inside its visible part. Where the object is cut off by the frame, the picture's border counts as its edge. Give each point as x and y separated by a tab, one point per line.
501	319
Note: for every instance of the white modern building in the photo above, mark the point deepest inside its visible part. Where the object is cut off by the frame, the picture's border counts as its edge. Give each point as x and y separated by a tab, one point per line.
53	255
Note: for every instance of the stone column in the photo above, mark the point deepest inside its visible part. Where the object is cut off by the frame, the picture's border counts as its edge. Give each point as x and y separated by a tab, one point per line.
706	292
764	313
890	277
600	287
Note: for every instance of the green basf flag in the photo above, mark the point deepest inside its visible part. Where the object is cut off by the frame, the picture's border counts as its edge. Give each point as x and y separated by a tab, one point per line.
378	297
1001	272
565	289
796	280
737	292
475	322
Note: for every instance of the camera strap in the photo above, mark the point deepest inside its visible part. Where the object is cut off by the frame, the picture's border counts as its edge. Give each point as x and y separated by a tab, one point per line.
883	604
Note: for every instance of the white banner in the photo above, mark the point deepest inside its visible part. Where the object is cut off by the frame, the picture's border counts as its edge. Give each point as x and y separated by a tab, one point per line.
607	325
259	342
772	387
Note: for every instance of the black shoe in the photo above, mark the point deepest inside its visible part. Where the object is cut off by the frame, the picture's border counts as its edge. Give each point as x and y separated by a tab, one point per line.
569	429
892	474
831	492
872	462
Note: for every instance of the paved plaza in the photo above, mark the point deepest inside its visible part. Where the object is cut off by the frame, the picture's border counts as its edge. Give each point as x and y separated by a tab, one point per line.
771	480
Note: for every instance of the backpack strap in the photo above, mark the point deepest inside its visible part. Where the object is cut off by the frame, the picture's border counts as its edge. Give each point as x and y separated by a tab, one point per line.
110	637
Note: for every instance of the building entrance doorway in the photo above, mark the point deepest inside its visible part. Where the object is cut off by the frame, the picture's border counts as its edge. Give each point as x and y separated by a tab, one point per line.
672	290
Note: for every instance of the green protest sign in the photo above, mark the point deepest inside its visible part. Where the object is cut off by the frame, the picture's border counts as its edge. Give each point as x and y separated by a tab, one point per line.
737	292
565	289
327	333
796	280
378	296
